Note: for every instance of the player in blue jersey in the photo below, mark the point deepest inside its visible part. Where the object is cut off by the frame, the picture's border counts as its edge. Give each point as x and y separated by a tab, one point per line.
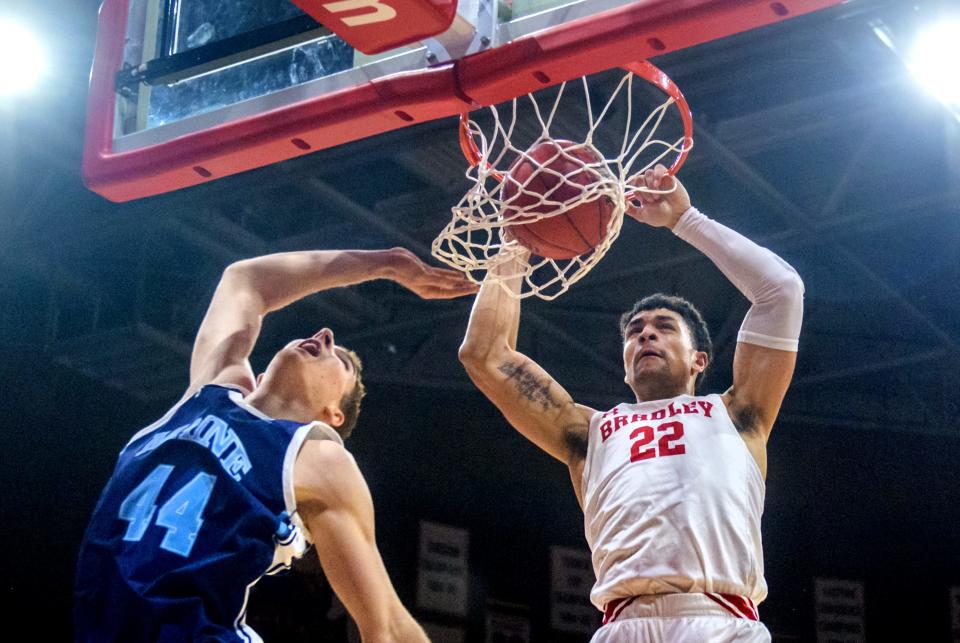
243	473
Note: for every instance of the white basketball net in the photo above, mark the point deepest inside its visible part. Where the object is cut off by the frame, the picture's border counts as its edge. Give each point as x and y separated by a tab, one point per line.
473	240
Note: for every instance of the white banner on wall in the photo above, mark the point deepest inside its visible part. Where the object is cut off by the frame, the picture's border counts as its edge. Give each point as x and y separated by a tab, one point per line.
507	628
445	633
571	580
442	580
839	608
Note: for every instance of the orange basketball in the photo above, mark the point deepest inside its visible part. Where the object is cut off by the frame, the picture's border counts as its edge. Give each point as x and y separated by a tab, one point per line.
566	235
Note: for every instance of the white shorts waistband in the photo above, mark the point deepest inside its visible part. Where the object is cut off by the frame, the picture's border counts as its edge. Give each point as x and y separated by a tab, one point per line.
673	605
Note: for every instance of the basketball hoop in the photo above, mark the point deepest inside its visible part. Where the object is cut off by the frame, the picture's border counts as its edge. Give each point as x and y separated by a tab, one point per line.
586	165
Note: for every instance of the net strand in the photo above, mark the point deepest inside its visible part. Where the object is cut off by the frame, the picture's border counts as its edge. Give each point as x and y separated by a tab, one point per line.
477	238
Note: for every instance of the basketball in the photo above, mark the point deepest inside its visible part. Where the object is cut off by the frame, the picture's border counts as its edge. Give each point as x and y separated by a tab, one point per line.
528	191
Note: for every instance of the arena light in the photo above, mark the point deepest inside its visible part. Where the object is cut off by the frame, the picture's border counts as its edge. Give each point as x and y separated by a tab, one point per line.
934	60
22	60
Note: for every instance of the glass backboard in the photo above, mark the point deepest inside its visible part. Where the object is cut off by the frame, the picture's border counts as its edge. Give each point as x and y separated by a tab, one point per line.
188	91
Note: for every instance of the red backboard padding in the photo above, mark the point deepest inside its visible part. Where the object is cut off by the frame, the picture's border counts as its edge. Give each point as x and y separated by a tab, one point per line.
638	31
373	26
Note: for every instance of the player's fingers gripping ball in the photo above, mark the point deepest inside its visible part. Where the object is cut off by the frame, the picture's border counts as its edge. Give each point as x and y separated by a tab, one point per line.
550	186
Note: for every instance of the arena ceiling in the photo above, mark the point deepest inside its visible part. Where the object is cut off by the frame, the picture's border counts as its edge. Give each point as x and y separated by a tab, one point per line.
812	138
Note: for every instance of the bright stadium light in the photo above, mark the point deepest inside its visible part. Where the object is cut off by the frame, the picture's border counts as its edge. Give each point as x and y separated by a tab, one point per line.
934	60
21	59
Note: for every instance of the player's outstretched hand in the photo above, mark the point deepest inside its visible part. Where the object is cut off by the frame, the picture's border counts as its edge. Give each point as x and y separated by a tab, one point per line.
658	209
427	281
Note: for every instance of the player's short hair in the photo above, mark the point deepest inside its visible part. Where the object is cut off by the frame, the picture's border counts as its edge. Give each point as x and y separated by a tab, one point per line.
691	317
350	403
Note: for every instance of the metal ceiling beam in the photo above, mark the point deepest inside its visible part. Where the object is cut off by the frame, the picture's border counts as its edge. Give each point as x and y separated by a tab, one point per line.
173	344
577	346
725	338
246	244
418	362
313	238
754	182
767	128
871	367
430	383
893	214
337	201
842	185
466	386
214	222
834	422
436	163
427	323
217	248
224	254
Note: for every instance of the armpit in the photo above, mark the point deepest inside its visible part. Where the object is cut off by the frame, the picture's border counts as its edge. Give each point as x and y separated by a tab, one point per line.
575	438
746	419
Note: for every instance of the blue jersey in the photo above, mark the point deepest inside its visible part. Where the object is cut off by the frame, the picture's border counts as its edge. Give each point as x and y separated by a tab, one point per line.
199	507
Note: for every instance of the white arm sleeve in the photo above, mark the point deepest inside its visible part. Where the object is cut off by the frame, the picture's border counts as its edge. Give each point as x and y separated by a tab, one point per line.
770	283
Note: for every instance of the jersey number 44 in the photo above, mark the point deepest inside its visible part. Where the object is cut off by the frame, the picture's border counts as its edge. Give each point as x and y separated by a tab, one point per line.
181	514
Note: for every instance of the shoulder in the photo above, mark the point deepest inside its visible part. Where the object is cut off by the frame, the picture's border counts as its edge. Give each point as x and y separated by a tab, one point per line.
235	376
216	392
231	378
326	473
326	454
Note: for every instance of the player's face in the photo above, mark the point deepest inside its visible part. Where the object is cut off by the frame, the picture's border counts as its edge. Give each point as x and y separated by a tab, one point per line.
314	373
658	354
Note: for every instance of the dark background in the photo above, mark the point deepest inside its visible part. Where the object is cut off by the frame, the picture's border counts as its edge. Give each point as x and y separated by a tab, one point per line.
812	139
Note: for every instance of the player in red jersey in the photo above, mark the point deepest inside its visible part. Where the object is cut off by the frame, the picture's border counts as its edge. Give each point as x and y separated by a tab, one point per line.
671	485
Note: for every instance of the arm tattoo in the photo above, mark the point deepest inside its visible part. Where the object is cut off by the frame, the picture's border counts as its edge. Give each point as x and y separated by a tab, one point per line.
528	385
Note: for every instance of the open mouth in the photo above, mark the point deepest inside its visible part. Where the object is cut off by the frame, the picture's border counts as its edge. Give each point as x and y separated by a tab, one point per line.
649	353
311	346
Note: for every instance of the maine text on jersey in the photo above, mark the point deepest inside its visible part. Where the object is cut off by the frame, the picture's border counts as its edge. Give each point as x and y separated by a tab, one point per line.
214	434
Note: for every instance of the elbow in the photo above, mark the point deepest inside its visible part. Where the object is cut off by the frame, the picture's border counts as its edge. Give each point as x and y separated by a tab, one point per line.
245	278
790	285
475	354
237	273
789	275
786	296
792	289
783	286
786	299
470	354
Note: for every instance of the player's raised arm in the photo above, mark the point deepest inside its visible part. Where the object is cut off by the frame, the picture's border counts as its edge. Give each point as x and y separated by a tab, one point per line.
251	288
335	504
767	344
529	398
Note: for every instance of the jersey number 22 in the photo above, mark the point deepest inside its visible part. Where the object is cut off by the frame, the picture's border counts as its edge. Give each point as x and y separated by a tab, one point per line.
644	435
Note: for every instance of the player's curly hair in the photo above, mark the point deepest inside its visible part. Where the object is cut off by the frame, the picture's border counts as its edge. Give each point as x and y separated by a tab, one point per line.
350	403
691	317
